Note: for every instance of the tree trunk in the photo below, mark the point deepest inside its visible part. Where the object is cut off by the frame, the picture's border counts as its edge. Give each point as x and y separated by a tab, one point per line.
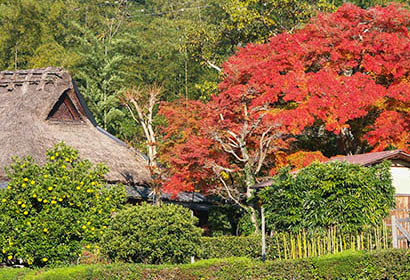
250	181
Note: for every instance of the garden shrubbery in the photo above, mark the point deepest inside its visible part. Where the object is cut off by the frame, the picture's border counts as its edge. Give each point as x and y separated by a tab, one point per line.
390	264
152	234
321	196
49	213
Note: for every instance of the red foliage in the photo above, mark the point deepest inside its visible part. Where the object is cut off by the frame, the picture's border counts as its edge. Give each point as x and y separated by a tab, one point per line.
351	65
299	160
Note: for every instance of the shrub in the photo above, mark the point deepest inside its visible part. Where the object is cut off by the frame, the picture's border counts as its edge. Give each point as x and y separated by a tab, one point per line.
338	194
48	213
224	219
152	234
391	264
234	246
281	245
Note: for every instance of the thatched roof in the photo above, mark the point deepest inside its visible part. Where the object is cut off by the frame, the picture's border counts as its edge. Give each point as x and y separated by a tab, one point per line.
42	107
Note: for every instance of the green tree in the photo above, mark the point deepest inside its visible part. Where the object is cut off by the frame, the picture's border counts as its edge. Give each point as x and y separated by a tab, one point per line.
320	196
49	213
152	234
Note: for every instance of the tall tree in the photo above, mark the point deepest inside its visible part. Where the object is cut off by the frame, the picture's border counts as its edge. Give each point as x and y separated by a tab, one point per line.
345	74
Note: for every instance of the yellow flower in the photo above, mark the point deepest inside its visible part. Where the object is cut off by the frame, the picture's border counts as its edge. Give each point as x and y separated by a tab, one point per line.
8	187
3	200
57	154
99	211
4	251
23	206
44	259
67	159
83	227
24	185
45	200
92	183
60	199
63	166
34	195
25	180
88	246
50	188
45	229
19	202
88	223
39	200
32	182
25	213
28	223
10	257
89	190
52	158
46	176
53	202
107	198
92	228
78	188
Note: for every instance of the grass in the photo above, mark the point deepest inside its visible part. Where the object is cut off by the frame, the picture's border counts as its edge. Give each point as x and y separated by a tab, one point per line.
384	264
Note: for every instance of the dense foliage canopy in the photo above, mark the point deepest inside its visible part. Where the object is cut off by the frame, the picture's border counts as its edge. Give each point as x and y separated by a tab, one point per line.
49	213
152	234
338	85
348	196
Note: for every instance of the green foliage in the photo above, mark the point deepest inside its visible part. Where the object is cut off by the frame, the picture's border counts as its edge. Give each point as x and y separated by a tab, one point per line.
324	195
223	220
49	212
235	246
391	264
152	234
288	245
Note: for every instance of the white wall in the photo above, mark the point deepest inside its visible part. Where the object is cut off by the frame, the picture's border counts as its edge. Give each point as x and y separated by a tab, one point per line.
401	179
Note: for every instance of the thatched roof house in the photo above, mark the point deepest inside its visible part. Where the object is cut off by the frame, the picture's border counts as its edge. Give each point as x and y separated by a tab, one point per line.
41	107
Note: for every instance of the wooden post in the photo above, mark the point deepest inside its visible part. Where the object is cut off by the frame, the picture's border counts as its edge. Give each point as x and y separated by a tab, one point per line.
394	232
263	235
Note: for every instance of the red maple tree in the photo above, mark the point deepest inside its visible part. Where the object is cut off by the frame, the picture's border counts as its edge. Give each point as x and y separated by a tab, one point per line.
345	74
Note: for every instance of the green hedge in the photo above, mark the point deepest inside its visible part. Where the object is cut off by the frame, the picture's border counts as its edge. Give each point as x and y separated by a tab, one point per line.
292	246
152	234
388	264
340	194
235	246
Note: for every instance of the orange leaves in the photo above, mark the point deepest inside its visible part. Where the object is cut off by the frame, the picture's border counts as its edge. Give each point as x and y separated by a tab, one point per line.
390	129
346	75
335	70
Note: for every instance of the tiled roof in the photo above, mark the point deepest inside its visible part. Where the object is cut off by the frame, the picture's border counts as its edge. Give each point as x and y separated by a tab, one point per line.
373	158
362	159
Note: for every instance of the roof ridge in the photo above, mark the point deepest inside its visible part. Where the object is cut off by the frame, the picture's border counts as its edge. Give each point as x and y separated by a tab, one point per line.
31	75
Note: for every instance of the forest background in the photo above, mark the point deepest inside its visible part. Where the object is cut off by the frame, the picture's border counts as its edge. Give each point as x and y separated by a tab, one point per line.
109	46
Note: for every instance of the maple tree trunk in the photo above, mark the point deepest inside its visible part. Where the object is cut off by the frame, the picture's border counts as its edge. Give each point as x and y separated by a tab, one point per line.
250	181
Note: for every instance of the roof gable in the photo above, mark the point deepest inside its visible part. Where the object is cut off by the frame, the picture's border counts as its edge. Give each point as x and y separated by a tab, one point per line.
64	110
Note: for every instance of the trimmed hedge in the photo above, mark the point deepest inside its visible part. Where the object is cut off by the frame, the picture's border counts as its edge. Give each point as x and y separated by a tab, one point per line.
152	235
292	246
377	265
235	246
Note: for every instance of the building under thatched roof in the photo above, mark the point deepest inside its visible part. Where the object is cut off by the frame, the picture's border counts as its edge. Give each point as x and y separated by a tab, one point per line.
42	107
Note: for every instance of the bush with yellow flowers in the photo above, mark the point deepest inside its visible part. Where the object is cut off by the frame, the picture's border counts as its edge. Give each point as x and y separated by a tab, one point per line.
49	212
